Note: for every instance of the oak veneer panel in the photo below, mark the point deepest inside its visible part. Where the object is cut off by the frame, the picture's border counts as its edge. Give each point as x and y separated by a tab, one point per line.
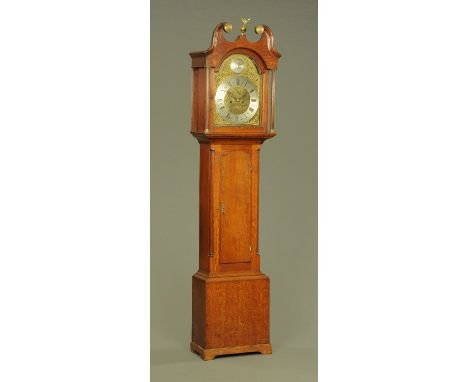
200	99
236	311
198	311
204	208
195	87
236	205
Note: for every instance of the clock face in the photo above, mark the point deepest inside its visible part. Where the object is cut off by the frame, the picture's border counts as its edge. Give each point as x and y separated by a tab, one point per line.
236	98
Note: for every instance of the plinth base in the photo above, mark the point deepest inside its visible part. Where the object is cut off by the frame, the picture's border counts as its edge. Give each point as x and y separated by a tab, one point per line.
209	354
230	314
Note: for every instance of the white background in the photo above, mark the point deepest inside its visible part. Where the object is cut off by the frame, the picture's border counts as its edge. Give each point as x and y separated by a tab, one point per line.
74	191
393	191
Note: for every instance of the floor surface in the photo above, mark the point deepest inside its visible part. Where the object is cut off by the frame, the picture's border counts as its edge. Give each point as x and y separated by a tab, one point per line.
285	364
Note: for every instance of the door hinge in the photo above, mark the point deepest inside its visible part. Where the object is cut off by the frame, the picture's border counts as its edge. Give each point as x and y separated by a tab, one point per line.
222	208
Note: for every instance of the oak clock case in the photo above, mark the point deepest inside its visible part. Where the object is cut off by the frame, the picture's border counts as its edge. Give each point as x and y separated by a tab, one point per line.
232	115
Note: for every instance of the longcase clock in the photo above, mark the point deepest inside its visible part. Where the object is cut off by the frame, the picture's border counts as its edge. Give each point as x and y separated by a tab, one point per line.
232	115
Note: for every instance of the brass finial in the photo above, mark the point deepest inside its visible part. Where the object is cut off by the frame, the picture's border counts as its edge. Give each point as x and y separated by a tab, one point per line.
259	29
245	20
227	27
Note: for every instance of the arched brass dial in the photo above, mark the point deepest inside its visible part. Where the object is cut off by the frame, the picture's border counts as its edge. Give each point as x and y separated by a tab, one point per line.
237	95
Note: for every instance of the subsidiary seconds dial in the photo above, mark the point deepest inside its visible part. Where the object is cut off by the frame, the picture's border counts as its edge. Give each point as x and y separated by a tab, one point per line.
236	100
